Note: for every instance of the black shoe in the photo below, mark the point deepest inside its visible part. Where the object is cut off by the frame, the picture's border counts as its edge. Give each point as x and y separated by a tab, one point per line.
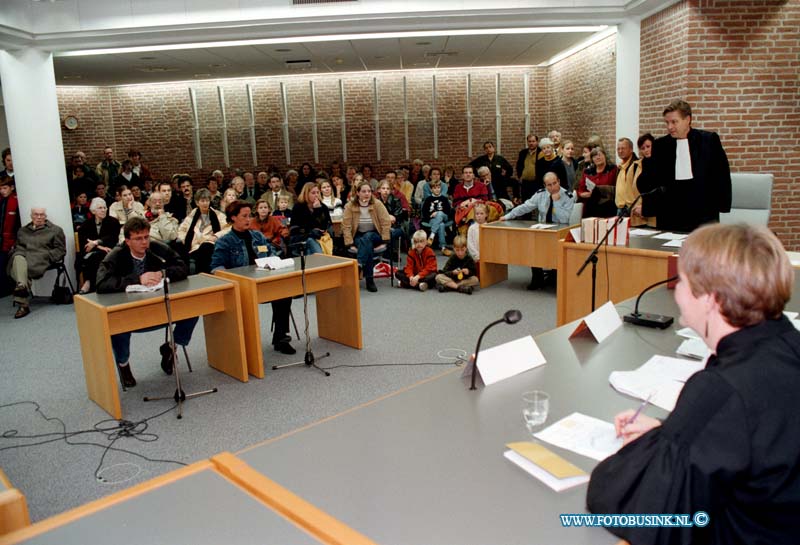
167	361
533	286
22	311
442	288
284	339
126	376
285	348
20	291
465	289
371	285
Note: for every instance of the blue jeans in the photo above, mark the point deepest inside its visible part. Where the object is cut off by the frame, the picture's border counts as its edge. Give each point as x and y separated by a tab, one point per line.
121	342
312	246
366	242
438	226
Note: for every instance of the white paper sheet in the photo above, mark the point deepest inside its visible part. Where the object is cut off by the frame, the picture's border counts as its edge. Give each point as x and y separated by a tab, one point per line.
791	315
140	288
670	236
677	243
583	434
274	262
643	232
553	482
695	349
509	359
543	226
688	333
576	234
661	378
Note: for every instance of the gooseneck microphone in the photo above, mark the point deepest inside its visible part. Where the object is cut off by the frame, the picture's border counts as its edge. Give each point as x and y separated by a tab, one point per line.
647	319
510	317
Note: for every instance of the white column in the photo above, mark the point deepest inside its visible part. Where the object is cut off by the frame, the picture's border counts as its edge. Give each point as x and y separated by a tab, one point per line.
628	80
34	131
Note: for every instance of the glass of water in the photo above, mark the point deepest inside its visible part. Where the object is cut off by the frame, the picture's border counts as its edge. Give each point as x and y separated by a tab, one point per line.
536	406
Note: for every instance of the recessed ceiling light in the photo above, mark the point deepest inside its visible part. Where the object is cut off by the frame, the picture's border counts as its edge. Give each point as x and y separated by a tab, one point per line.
423	43
283	50
147	58
202	75
157	69
217	65
379	57
71	76
339	61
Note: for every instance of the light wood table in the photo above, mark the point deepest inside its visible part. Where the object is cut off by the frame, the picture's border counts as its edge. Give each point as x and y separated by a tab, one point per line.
334	280
101	315
622	272
505	243
13	507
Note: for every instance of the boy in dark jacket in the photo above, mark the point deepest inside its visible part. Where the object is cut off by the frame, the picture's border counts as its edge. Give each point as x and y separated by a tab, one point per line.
436	213
459	271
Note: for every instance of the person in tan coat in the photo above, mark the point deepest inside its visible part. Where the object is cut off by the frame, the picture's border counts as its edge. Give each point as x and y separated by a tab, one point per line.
365	225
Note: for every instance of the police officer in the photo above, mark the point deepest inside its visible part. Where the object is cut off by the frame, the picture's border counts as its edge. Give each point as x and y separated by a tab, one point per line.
554	204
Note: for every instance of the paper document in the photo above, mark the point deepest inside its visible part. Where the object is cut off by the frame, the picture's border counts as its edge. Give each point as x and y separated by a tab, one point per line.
676	243
546	466
670	236
791	315
796	324
543	226
576	234
139	288
661	378
694	348
590	185
583	434
643	232
688	333
274	262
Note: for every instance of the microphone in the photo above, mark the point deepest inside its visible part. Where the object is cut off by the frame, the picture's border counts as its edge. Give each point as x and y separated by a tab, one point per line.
510	317
647	319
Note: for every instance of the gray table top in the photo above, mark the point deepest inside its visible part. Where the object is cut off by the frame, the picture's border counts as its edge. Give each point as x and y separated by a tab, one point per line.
191	283
314	261
525	224
646	243
202	508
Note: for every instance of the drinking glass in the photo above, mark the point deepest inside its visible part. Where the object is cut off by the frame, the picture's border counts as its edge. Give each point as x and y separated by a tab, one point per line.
536	406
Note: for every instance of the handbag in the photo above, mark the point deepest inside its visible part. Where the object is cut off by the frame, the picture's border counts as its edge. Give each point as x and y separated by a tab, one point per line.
62	293
326	242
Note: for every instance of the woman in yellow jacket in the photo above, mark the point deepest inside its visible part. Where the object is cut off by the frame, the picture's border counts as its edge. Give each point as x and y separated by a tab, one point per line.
365	225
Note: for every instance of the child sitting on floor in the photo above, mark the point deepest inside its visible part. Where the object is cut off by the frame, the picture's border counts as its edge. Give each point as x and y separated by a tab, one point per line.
421	266
459	271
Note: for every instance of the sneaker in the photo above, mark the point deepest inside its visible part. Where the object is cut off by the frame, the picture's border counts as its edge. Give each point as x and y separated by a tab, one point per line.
126	376
535	285
430	241
371	285
447	252
442	288
22	311
20	291
167	361
423	286
285	348
465	289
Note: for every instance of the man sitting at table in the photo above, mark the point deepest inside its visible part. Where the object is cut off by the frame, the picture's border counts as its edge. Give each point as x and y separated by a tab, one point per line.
240	247
142	261
553	205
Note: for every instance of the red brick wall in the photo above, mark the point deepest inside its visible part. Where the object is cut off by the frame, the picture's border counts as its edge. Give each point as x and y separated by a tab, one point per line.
739	70
581	91
157	119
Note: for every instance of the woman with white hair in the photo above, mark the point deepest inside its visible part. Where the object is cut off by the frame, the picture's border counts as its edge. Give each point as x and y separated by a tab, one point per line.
96	238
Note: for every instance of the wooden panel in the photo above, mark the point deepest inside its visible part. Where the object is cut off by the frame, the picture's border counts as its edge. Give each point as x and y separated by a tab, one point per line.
98	359
226	350
339	310
155	312
251	324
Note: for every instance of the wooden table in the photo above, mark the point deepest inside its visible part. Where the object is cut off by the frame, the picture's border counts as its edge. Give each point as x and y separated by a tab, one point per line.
622	272
334	280
101	315
505	243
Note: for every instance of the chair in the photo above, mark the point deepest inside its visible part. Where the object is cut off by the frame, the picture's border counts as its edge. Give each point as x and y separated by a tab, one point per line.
577	213
378	253
60	268
751	200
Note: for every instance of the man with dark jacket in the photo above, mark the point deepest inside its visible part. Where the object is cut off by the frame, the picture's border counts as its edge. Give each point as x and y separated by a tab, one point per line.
499	167
39	245
526	166
142	261
692	169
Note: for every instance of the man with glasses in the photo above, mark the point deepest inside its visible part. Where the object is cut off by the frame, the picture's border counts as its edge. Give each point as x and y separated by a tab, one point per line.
142	261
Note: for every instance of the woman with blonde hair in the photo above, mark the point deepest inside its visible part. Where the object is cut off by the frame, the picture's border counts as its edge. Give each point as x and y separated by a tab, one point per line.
730	449
365	225
310	219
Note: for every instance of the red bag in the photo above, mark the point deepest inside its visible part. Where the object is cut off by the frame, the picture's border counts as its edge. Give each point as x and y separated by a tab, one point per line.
383	270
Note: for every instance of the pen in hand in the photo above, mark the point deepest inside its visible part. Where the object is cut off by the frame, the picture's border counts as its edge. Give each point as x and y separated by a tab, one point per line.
633	418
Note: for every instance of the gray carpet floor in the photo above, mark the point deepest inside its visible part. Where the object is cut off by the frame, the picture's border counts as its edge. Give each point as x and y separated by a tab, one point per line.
40	362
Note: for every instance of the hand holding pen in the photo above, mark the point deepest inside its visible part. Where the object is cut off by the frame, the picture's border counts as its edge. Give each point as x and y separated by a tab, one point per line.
632	424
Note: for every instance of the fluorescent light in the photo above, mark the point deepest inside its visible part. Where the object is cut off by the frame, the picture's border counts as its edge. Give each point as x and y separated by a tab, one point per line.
331	38
605	33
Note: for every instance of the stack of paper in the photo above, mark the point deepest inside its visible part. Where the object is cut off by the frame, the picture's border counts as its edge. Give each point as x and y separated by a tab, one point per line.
547	466
274	262
695	349
543	226
140	288
583	434
660	378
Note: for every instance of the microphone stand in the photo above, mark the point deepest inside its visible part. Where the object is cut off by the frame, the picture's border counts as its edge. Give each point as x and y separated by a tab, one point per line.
309	360
180	396
593	255
646	319
510	317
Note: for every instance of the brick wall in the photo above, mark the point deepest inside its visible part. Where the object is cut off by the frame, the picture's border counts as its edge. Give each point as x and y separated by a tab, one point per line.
737	63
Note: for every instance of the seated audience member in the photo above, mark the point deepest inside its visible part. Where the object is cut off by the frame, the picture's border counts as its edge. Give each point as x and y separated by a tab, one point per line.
140	260
336	169
365	225
292	182
81	183
262	183
100	191
126	208
485	177
424	189
467	194
283	210
163	226
499	169
583	163
553	204
40	244
449	177
228	197
249	192
186	201
306	174
729	447
421	266
366	172
80	210
570	164
597	186
199	231
402	185
310	220
340	189
394	206
220	178
645	144
436	213
136	190
626	191
9	225
458	273
549	161
415	176
276	190
271	227
334	204
139	169
126	176
240	247
96	238
481	214
214	193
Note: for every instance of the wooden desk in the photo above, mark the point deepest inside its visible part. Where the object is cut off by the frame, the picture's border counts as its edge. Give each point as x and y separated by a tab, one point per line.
203	503
629	270
13	507
101	315
505	243
334	280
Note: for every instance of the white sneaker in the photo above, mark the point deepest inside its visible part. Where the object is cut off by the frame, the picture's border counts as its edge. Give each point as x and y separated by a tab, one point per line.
423	286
